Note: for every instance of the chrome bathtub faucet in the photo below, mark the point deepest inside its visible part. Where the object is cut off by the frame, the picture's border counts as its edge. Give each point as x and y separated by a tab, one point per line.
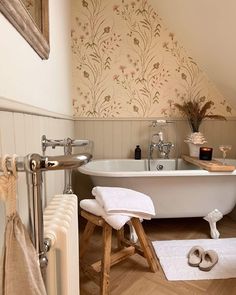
158	143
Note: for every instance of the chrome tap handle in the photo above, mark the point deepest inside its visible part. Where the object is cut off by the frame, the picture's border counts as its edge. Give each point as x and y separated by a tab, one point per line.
166	149
62	142
50	142
160	122
80	142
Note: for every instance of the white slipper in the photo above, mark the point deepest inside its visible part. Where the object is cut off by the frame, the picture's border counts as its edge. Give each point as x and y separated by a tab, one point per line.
209	259
195	255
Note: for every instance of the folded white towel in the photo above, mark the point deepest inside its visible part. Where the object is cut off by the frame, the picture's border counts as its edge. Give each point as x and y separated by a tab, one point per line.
117	200
115	221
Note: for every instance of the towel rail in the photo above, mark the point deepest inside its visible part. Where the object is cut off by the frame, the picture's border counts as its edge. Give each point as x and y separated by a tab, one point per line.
37	162
67	144
34	165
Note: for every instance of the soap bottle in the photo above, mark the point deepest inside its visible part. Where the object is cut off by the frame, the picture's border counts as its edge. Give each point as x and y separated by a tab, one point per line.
137	153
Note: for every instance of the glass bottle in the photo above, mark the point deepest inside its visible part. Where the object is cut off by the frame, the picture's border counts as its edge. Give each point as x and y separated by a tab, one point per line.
137	153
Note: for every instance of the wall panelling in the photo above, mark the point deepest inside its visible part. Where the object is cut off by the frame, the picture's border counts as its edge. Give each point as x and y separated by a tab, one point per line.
21	134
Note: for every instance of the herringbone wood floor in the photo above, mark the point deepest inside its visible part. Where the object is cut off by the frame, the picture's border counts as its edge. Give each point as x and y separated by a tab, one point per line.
132	277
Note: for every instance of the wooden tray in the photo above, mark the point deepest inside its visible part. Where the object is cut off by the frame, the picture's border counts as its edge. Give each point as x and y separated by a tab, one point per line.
212	166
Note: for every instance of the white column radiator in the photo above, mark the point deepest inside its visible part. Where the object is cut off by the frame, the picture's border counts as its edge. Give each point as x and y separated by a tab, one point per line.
61	227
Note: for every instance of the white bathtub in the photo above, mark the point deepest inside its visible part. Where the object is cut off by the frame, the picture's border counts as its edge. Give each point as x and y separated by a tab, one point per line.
179	190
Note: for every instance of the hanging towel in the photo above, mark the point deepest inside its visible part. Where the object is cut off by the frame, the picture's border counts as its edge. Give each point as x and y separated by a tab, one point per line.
115	221
117	200
20	271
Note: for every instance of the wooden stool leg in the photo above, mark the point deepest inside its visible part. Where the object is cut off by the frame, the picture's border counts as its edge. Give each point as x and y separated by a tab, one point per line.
106	260
120	238
88	231
146	244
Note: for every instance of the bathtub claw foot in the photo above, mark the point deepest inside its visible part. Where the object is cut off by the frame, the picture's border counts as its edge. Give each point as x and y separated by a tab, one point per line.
212	218
132	233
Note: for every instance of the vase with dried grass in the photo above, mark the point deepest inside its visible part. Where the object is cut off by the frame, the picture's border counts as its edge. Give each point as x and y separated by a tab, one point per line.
196	111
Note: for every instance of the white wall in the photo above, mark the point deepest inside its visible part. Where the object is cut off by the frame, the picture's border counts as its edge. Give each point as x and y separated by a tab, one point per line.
207	30
25	77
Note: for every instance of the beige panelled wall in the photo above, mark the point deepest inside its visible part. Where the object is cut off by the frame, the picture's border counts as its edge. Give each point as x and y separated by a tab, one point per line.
21	134
118	138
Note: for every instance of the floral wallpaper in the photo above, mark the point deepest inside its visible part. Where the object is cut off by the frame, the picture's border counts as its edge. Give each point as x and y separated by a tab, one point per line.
127	64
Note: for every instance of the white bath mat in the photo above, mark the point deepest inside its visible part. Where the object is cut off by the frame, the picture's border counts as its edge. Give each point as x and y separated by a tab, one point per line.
173	258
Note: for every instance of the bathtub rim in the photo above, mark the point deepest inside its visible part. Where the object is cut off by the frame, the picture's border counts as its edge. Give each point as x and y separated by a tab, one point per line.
85	169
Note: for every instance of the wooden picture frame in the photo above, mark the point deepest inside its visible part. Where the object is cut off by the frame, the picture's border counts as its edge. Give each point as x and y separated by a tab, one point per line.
20	18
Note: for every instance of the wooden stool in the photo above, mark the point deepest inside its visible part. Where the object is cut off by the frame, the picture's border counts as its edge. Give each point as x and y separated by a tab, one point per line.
126	247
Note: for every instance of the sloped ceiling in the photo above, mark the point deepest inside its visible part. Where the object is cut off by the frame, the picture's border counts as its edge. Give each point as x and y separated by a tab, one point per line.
207	29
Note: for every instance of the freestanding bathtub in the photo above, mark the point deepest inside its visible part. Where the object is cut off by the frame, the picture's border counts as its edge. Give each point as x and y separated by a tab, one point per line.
179	190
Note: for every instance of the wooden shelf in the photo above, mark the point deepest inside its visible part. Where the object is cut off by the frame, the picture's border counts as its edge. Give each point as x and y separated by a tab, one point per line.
212	166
